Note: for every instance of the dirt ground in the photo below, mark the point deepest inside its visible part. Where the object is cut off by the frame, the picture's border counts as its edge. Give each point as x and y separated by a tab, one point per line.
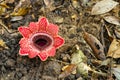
71	18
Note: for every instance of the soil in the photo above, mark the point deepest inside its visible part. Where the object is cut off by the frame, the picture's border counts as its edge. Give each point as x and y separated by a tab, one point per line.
71	18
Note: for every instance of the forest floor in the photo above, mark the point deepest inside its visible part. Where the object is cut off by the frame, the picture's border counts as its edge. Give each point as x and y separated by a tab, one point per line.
73	18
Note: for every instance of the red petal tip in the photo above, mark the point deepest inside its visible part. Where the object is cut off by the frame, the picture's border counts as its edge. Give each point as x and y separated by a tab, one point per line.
23	52
33	27
24	31
42	24
52	29
58	41
43	56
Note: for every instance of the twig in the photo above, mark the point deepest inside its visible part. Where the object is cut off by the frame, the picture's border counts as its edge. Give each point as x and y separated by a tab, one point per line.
6	28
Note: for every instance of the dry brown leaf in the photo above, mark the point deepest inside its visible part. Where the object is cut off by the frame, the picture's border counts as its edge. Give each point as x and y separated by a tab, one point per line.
95	45
114	49
116	72
117	34
48	3
22	8
103	7
112	20
2	45
3	7
80	60
20	12
16	18
110	37
67	70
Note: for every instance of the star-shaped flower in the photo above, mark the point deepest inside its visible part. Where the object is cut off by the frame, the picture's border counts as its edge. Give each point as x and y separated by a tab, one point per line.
40	39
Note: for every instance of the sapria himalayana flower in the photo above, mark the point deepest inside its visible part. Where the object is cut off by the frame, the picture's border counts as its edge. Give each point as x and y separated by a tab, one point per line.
40	39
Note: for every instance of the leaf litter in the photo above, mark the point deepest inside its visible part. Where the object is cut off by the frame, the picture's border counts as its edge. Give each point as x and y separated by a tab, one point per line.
103	6
68	15
112	20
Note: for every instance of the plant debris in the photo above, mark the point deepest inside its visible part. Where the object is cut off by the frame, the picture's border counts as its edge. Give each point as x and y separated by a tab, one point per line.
90	28
103	6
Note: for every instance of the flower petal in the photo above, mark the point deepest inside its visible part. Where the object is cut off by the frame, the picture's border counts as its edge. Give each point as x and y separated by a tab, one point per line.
58	41
51	52
23	52
43	56
24	43
24	31
52	29
42	24
33	27
32	53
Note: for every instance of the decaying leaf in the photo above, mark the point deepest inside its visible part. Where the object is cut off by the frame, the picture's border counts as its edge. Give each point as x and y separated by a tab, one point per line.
95	62
2	45
20	12
22	4
103	7
48	3
67	70
16	18
112	20
106	62
22	8
116	72
3	7
117	34
78	56
109	34
95	45
114	49
80	60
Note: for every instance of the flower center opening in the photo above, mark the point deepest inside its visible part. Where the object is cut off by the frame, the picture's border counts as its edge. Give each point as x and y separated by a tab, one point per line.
42	41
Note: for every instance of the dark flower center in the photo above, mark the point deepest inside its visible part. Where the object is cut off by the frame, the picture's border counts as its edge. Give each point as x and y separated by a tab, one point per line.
42	41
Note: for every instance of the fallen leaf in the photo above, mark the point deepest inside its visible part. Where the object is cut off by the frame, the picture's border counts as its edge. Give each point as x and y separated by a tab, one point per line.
110	37
112	20
67	70
22	8
2	45
20	12
114	49
95	62
78	56
103	6
80	60
16	18
106	62
116	72
48	3
83	69
117	34
95	45
3	8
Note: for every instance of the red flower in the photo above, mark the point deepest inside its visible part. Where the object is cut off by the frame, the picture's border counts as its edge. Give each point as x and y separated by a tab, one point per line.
40	39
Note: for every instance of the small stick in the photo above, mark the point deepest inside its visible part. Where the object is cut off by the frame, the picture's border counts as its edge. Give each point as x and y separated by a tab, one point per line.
6	28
